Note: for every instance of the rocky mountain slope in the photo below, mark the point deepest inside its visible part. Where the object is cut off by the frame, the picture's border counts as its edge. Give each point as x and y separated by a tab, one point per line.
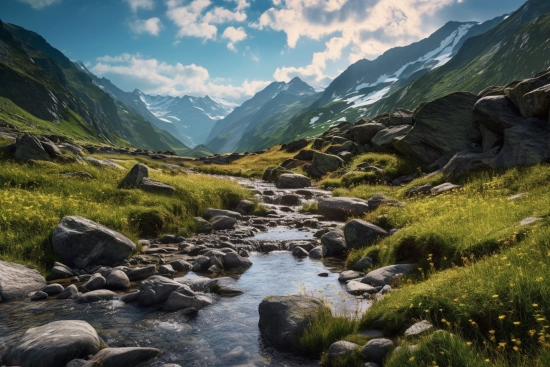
250	126
38	81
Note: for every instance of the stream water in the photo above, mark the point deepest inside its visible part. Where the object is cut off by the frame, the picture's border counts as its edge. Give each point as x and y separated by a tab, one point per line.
207	338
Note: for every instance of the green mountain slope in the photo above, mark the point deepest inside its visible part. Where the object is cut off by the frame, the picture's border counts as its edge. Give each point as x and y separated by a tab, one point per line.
39	80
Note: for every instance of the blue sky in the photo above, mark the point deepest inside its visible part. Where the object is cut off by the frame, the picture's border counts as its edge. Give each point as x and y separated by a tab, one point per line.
234	48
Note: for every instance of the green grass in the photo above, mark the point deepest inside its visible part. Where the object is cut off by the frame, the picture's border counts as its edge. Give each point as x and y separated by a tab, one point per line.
35	197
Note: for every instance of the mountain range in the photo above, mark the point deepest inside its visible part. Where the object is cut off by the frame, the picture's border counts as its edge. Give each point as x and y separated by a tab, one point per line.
41	90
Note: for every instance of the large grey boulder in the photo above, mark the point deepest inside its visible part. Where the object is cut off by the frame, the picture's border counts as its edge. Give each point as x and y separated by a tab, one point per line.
71	292
154	186
401	116
117	280
284	318
363	134
232	260
156	289
537	102
386	275
325	163
497	113
383	141
142	273
341	348
245	207
339	208
53	289
334	242
134	177
376	350
292	181
222	222
524	145
442	128
81	242
123	357
183	298
465	162
97	281
17	281
29	147
518	92
53	345
211	212
359	233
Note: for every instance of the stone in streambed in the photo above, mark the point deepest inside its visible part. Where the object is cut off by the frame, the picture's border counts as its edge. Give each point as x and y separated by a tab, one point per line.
117	280
292	181
96	296
71	292
156	289
338	208
222	222
17	281
123	357
334	242
53	289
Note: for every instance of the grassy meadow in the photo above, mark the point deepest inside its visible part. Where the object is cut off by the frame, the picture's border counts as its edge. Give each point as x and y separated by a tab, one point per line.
35	197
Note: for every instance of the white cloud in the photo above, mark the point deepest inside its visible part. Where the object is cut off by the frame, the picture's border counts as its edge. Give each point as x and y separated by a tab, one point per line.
151	26
234	35
40	4
366	28
193	19
155	77
135	5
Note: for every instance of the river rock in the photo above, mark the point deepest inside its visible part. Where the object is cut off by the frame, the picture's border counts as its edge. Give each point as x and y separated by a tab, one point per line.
28	147
284	318
166	270
292	181
71	292
222	222
341	348
349	275
290	200
359	233
376	350
363	134
357	288
318	252
142	273
442	128
211	212
117	280
382	276
130	297
61	271
334	242
156	289
183	298
81	243
134	177
123	357
39	296
299	252
272	174
418	329
364	263
326	163
17	281
53	345
203	226
232	260
181	265
338	208
96	296
245	207
97	281
53	289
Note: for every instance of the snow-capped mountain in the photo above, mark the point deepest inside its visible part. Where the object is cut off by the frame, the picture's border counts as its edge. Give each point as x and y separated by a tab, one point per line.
193	117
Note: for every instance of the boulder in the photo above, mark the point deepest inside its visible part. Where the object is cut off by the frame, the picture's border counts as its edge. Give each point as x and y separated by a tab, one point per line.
292	181
442	128
53	289
524	145
17	281
97	281
334	242
290	200
181	265
465	162
130	297
338	208
222	222
28	147
296	145
53	345
134	177
325	163
377	199
150	185
284	318
123	357
357	288
39	296
401	116
166	270
50	148
384	140
96	296
318	252
103	163
156	289
183	298
142	273
61	271
341	348
299	252
211	212
359	233
376	350
232	260
245	207
81	243
518	92
418	329
363	134
305	155
497	113
71	292
419	190
444	187
117	280
272	174
382	276
364	263
347	275
203	226
537	102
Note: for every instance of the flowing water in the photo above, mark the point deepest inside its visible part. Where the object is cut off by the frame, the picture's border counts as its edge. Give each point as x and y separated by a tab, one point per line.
207	338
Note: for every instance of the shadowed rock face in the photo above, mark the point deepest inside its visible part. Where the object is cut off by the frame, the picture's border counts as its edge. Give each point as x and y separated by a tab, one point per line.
53	344
283	319
16	281
81	242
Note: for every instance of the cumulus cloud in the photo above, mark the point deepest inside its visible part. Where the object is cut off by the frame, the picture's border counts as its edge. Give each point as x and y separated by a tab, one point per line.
135	5
155	77
151	26
368	27
234	35
199	19
39	4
